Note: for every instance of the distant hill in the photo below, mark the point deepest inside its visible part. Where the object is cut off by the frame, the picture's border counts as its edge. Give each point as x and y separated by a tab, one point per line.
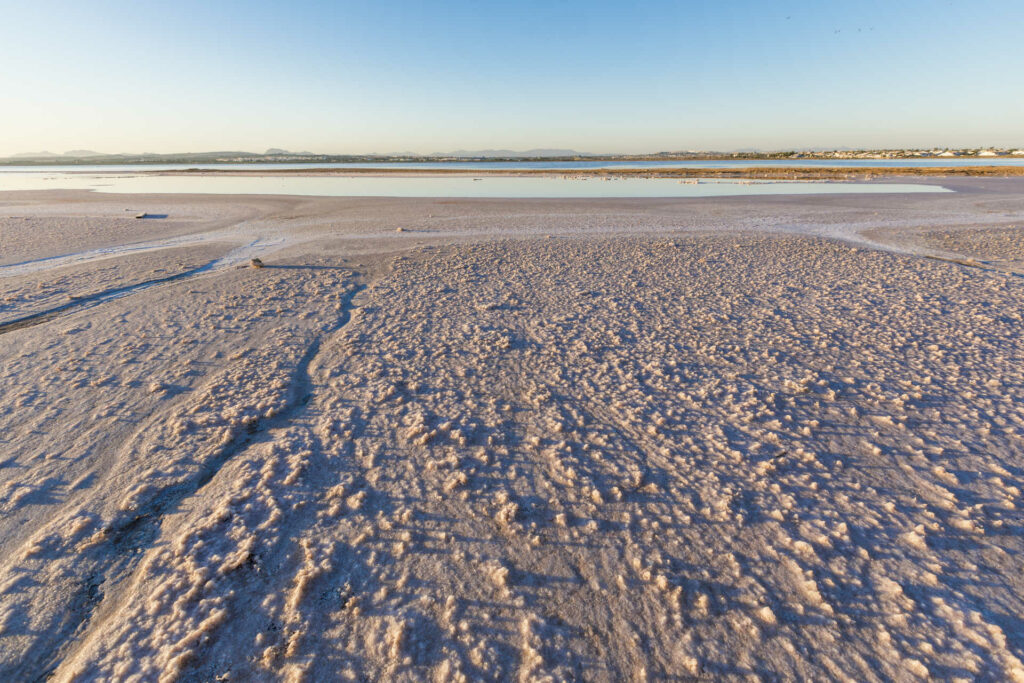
277	151
486	153
238	156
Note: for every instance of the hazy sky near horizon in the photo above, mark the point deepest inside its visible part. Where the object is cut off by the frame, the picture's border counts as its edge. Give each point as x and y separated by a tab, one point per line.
592	75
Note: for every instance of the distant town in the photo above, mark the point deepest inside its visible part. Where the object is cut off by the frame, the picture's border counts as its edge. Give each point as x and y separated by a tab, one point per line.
273	155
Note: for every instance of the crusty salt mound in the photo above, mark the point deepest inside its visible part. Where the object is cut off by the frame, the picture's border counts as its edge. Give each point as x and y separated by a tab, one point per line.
534	459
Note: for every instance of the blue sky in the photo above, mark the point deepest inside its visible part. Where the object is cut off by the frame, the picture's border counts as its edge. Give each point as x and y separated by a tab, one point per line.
361	76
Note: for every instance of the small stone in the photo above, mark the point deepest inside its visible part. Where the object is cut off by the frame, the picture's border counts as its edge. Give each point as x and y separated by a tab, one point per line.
256	263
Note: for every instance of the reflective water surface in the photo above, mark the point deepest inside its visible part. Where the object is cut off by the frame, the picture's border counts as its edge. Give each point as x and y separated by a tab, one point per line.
440	186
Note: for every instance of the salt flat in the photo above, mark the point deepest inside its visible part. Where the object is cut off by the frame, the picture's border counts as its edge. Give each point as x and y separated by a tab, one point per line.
544	439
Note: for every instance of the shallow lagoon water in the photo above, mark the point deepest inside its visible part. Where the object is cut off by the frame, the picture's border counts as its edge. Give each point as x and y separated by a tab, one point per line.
441	186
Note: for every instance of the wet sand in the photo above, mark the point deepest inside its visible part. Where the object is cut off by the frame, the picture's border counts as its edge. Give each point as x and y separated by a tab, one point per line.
597	439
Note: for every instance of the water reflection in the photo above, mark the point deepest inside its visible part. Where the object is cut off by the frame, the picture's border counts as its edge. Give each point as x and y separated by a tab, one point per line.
441	186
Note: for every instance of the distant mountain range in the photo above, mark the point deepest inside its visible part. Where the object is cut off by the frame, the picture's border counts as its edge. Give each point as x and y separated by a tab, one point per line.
461	153
504	153
75	153
474	153
278	152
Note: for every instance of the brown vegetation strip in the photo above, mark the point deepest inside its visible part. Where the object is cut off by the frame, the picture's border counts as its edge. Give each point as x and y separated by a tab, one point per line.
765	173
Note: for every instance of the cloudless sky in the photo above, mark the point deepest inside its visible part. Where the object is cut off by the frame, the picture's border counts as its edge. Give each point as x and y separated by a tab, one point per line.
593	75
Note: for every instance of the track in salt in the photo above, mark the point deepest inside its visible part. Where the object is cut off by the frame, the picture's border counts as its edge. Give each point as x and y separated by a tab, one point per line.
140	532
234	257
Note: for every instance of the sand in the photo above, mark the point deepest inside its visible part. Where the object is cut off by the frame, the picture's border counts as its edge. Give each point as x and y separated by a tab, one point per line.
544	440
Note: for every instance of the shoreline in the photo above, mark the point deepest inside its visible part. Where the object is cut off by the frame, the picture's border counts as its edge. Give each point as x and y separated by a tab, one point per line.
263	219
750	173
